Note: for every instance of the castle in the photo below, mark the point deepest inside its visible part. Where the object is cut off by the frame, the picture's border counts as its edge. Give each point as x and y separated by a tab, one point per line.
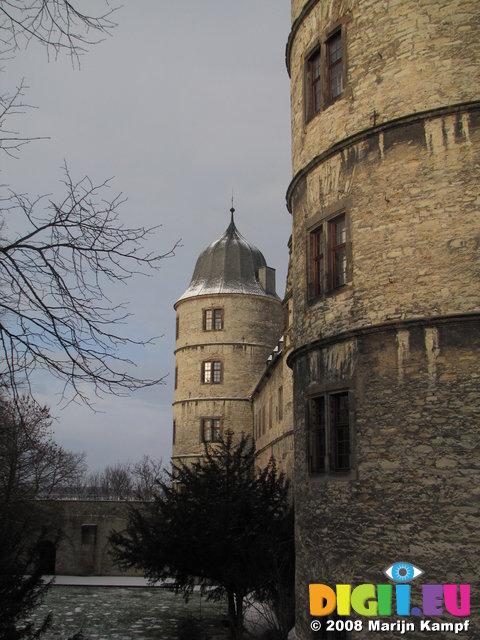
364	382
381	320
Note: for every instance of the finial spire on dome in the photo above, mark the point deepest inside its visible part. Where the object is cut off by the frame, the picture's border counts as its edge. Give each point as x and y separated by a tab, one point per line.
232	210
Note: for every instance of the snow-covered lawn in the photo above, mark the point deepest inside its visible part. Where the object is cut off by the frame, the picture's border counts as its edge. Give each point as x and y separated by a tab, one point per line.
126	612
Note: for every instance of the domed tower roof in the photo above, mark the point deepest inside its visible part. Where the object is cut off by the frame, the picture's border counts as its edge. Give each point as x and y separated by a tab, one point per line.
231	265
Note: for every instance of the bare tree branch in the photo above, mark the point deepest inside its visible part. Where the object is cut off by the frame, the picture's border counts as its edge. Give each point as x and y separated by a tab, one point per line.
58	25
12	105
54	312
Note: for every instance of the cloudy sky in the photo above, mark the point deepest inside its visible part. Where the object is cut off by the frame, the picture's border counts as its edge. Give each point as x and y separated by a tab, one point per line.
185	102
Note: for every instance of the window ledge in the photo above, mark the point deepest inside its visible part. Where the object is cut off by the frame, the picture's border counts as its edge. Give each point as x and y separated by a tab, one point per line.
345	288
311	117
340	476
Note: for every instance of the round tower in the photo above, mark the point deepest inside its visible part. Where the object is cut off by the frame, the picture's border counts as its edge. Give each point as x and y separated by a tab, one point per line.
386	296
228	321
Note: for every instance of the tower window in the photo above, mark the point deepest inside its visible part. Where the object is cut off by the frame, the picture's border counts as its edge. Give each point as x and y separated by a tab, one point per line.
328	240
211	372
334	64
324	73
212	319
340	432
338	243
314	83
329	434
211	430
316	253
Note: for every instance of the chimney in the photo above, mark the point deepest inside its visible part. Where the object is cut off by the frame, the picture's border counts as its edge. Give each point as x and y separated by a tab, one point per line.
266	277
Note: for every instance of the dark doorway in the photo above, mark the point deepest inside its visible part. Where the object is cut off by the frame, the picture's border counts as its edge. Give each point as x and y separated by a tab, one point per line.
47	552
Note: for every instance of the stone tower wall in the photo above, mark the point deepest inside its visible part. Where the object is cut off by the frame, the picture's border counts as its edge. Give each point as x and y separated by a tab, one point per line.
398	154
252	325
402	58
410	194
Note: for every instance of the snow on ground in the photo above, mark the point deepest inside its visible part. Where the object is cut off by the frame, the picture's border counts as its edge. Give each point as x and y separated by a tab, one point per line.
103	581
126	613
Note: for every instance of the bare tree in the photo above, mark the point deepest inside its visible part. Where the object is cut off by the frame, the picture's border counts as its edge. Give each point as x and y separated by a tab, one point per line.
91	486
147	474
117	481
124	481
54	313
31	464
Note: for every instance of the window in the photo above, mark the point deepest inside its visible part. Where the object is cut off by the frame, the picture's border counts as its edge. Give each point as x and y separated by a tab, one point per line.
270	412
329	434
324	69
176	377
334	64
212	319
174	432
316	249
262	421
338	267
314	82
89	534
177	328
280	403
211	430
328	240
211	372
340	446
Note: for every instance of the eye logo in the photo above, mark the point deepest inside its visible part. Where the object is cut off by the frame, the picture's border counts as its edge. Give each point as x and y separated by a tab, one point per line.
402	572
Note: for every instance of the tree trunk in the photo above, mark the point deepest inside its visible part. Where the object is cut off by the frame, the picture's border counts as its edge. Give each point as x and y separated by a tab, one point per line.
235	613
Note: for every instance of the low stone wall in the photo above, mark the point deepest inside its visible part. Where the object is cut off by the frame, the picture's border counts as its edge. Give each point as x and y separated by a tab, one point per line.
83	528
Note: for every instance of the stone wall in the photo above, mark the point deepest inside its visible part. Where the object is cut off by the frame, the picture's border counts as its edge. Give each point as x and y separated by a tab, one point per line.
272	399
273	414
413	239
83	528
413	493
401	58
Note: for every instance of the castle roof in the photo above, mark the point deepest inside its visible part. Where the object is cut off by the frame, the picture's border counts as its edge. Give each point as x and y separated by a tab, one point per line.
228	265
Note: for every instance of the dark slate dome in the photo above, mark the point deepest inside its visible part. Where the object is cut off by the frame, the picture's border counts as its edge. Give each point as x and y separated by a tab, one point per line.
229	265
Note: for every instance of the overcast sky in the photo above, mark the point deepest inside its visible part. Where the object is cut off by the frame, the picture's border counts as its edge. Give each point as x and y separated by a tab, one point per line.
185	102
